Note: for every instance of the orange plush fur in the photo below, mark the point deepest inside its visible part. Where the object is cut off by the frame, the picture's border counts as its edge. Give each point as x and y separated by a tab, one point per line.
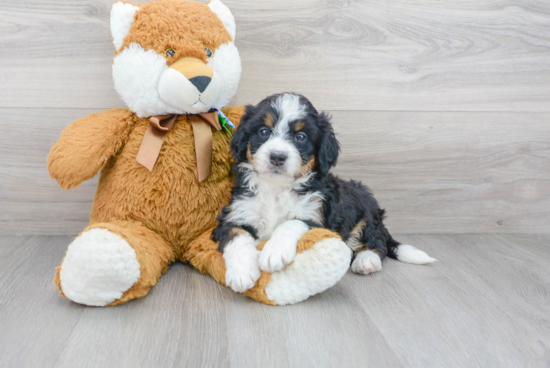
158	212
186	27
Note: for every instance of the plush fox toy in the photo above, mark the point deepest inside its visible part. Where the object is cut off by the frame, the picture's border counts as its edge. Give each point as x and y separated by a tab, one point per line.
165	163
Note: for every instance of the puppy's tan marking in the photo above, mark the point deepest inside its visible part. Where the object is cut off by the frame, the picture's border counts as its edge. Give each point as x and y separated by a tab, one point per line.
237	231
306	169
248	153
299	125
249	156
269	120
354	240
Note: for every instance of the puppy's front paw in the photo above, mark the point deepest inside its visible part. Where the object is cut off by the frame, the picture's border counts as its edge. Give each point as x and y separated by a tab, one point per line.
241	263
366	262
277	253
243	278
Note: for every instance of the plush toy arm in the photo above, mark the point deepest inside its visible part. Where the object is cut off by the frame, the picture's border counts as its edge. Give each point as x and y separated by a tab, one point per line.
87	144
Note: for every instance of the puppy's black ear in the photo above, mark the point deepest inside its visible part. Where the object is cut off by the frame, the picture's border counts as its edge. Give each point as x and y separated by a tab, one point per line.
329	147
239	143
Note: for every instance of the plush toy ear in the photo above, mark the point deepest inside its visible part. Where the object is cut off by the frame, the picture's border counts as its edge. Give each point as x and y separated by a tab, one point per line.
329	146
225	16
239	142
122	17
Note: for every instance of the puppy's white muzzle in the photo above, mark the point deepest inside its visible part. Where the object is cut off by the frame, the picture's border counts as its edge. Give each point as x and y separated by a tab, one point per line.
277	156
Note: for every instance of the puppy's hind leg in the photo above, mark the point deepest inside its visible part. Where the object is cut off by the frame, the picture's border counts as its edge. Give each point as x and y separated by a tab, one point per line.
369	248
367	261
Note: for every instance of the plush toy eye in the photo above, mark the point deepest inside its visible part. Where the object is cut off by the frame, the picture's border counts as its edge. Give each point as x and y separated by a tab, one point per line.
264	132
208	52
300	137
170	52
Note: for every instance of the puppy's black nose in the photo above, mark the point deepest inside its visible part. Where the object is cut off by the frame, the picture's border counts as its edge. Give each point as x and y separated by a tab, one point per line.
200	82
277	159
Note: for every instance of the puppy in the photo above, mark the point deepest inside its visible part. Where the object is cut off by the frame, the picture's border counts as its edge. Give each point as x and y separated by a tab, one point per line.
284	150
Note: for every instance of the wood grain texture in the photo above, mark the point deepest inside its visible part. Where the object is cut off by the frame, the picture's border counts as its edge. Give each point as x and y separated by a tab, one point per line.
434	172
484	297
328	330
31	203
458	141
345	55
483	304
451	172
35	322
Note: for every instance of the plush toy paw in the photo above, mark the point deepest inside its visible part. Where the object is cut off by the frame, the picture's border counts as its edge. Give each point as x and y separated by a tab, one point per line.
241	263
366	262
277	254
98	268
320	266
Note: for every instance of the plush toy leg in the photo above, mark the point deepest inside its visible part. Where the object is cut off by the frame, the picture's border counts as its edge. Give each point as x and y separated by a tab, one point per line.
322	260
113	262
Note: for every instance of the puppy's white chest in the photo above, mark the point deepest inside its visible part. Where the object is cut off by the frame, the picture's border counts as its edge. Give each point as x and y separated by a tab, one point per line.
273	209
272	205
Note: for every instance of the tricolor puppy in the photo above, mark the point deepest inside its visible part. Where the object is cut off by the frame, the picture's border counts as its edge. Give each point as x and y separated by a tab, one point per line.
284	150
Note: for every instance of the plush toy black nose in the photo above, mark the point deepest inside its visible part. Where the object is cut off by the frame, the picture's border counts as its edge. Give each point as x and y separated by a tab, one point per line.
200	82
277	159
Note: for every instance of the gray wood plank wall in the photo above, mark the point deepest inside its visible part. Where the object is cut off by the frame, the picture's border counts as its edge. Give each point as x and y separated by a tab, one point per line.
442	108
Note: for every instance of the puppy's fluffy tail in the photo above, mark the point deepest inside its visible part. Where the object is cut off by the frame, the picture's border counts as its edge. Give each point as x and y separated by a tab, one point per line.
408	253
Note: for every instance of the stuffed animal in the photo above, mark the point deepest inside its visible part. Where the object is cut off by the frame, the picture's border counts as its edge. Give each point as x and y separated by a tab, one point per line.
165	163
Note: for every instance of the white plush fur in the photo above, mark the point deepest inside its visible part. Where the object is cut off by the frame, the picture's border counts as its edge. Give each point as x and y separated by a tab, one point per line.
225	16
275	201
410	254
311	272
366	262
149	87
280	249
98	268
241	263
179	92
122	17
136	74
226	63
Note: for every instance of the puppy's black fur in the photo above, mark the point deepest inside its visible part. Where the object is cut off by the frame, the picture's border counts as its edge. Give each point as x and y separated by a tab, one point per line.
348	207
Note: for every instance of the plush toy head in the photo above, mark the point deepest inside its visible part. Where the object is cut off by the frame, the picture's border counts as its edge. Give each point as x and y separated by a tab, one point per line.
174	56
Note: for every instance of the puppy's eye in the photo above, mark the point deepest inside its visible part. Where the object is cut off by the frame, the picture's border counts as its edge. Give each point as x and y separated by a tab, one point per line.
209	52
264	132
170	52
300	137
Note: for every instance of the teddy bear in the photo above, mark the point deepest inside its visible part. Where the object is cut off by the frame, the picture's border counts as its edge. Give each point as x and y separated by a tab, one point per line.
165	164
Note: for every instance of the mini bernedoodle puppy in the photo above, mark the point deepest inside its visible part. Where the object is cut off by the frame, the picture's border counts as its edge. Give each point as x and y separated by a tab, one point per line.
284	150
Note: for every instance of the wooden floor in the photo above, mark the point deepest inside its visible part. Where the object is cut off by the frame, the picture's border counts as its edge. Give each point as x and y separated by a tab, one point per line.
485	303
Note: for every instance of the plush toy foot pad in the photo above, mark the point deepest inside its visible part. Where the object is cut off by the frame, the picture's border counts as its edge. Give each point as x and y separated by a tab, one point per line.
98	268
312	271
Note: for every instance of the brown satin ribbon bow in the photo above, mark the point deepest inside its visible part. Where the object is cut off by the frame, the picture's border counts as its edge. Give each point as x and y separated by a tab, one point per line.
160	125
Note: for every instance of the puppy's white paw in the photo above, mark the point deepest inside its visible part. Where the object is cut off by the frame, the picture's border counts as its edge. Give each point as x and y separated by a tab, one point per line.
241	263
277	254
280	250
366	262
